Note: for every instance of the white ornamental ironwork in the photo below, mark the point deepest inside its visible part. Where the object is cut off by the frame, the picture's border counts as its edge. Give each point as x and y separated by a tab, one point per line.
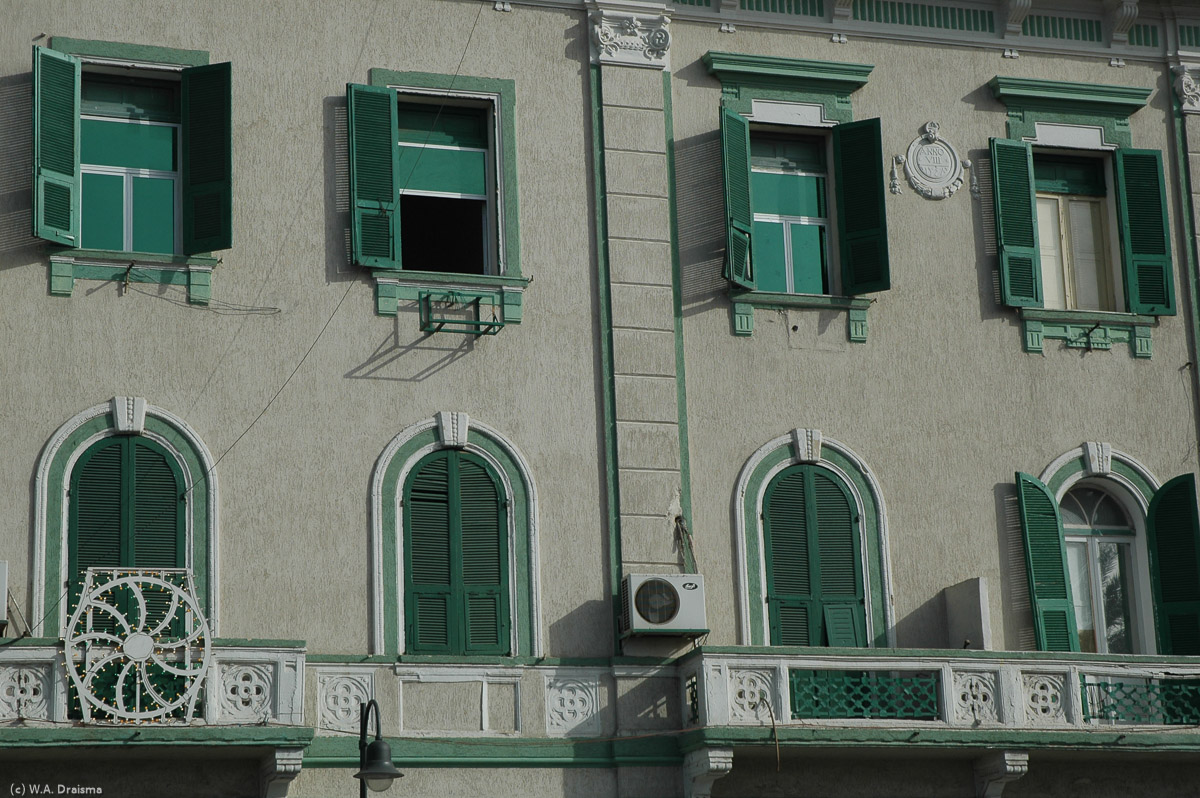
138	646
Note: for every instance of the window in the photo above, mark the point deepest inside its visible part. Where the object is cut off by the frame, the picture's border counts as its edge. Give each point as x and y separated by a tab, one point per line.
1072	217
131	160
1099	539
790	234
814	570
433	188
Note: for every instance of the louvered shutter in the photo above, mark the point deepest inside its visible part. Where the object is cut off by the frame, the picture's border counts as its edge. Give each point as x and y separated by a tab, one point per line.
739	218
207	115
56	175
843	626
862	218
96	520
158	526
839	564
374	164
484	575
1015	202
789	578
1046	561
1145	236
429	605
1173	529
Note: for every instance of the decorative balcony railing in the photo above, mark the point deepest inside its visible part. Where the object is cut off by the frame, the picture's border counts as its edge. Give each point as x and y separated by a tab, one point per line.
138	649
745	687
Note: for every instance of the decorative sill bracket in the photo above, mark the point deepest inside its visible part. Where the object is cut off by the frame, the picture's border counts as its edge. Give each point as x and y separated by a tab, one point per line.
745	302
1090	331
471	304
195	273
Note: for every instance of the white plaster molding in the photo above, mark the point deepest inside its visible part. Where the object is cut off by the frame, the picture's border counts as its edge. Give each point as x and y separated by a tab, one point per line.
1097	458
843	9
1120	16
750	693
1011	52
780	112
129	414
1187	86
1044	700
932	165
629	34
246	692
572	705
340	697
377	498
975	698
1015	12
1076	137
25	691
453	428
1080	452
502	5
703	767
484	676
42	497
997	769
1117	61
277	771
740	497
838	38
806	443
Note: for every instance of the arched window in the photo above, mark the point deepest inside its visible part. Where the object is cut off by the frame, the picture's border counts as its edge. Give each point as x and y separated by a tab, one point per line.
1100	538
455	557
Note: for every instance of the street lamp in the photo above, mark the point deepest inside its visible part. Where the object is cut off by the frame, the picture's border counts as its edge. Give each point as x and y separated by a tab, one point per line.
374	760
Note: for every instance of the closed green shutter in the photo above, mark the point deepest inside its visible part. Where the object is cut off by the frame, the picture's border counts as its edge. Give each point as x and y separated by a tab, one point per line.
1145	236
484	575
1046	561
789	581
158	527
96	522
207	114
374	164
56	175
429	603
862	218
739	219
1016	223
1173	539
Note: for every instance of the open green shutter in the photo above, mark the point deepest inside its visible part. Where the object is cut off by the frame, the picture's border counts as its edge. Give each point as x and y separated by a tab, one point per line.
56	176
1046	561
1015	202
739	219
429	601
1173	539
207	110
374	164
861	219
1145	237
789	576
484	560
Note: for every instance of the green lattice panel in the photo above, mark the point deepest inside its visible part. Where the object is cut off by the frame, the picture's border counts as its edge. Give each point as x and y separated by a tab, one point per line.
837	694
923	15
1169	701
806	8
1189	36
1067	28
1143	36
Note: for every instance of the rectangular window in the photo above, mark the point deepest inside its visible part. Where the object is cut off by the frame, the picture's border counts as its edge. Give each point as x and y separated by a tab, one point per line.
790	234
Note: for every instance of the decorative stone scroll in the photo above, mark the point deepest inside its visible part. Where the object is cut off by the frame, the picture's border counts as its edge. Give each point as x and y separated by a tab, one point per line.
1120	15
932	165
1015	12
997	769
627	39
1187	86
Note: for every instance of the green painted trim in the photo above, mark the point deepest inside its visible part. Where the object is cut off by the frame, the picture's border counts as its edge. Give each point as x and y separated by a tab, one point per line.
1184	169
1090	330
744	303
685	469
387	299
57	480
62	278
856	325
743	318
797	73
136	258
1078	465
504	752
608	376
255	642
1022	123
925	15
433	280
1057	95
199	286
65	270
506	91
29	642
522	613
872	576
1045	26
923	655
153	736
141	53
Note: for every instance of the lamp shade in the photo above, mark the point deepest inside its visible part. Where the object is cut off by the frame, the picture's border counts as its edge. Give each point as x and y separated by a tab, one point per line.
378	770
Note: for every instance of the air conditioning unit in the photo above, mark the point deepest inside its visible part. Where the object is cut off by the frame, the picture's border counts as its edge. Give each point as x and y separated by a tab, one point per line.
663	604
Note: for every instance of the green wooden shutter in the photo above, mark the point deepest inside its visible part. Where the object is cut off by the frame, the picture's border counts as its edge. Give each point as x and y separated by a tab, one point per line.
56	175
739	219
839	563
207	110
844	625
484	561
1046	561
158	527
789	577
1016	223
1173	540
374	164
429	605
862	218
1145	236
94	538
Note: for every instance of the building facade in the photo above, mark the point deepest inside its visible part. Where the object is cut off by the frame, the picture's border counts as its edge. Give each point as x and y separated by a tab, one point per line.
838	433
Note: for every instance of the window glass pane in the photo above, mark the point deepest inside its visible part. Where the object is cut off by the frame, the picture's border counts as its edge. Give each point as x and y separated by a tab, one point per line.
1081	590
788	195
128	144
1114	581
770	258
447	170
808	259
1109	514
103	212
1072	513
434	123
1054	294
112	95
1091	282
153	215
787	153
438	234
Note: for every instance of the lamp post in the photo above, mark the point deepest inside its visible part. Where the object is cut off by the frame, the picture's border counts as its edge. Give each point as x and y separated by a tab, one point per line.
375	759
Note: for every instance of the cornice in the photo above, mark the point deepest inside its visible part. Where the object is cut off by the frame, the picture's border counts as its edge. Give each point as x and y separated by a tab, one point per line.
827	75
1060	95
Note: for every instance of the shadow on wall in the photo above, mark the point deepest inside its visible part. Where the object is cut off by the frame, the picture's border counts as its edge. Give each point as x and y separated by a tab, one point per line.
924	627
427	354
700	208
1014	581
987	264
586	631
16	164
337	191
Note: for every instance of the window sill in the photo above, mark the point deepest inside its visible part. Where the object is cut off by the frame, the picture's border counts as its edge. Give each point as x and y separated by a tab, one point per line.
452	302
1087	329
744	303
192	271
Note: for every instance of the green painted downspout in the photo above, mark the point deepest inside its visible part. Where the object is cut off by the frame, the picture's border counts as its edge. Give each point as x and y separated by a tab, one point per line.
607	381
685	500
1185	198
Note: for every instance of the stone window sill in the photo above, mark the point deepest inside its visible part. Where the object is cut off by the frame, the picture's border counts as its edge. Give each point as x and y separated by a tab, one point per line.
744	303
459	295
1087	329
192	271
